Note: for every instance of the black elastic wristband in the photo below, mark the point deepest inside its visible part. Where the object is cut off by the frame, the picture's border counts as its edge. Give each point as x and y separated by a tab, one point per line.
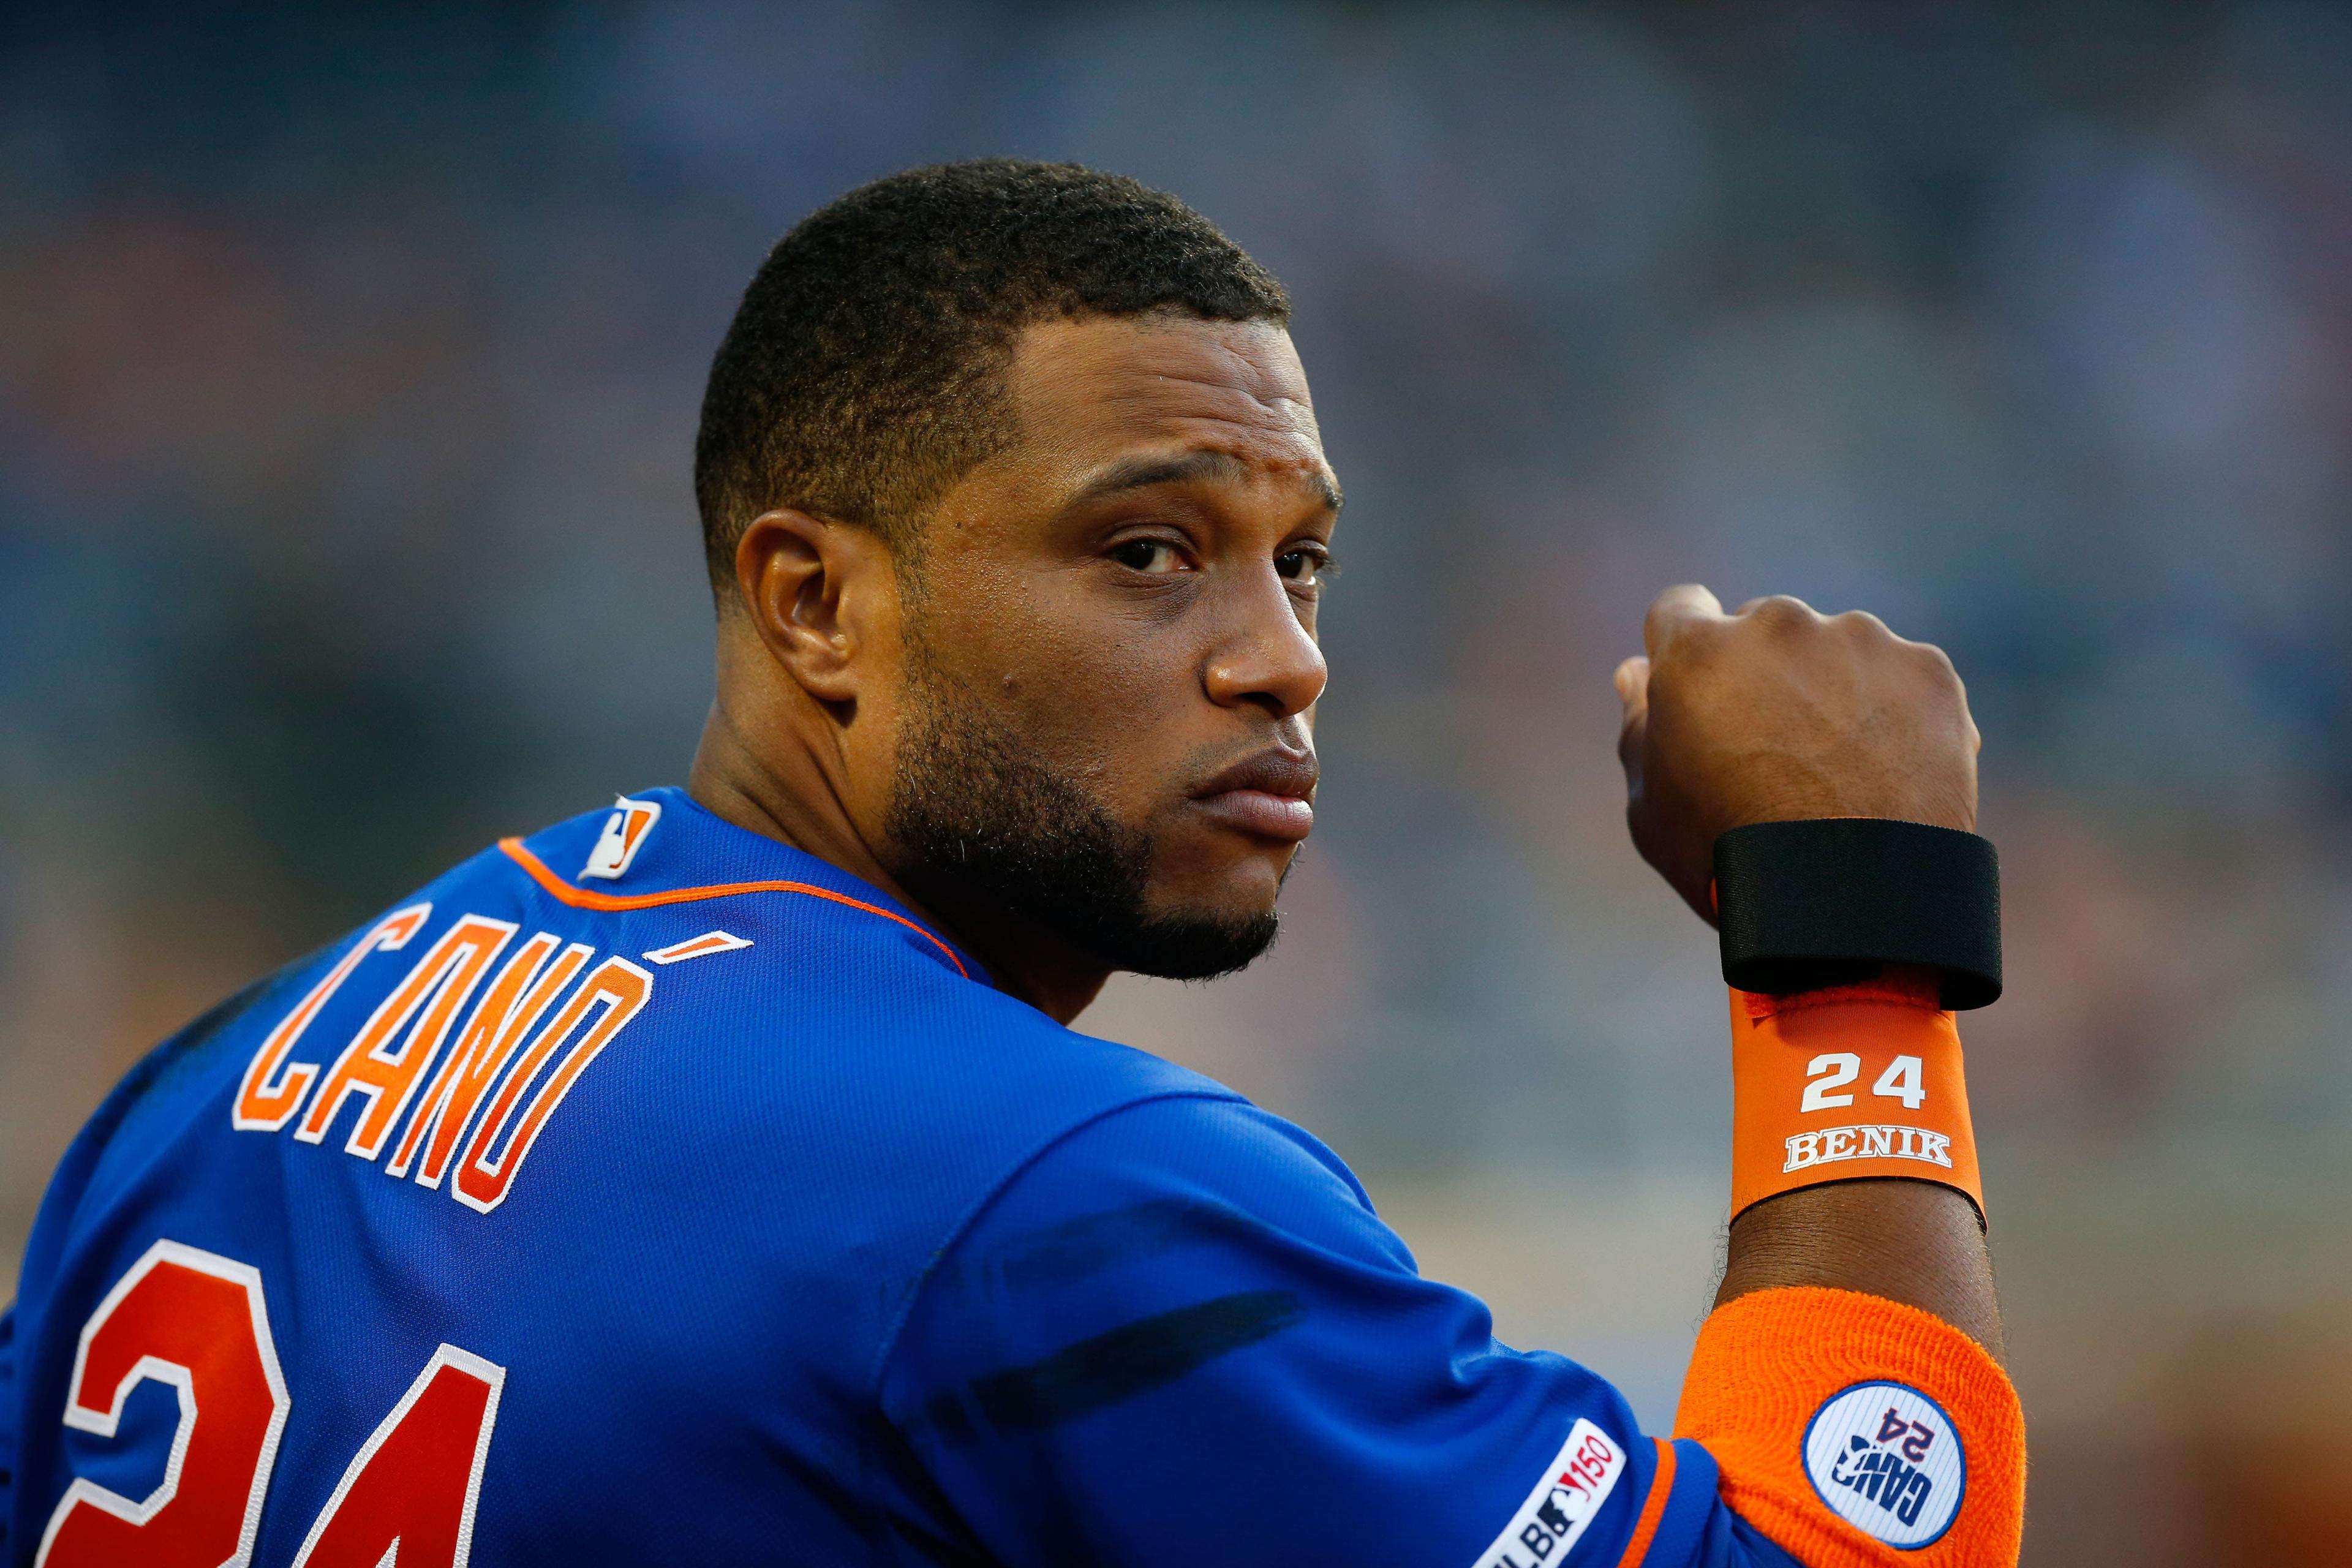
1803	905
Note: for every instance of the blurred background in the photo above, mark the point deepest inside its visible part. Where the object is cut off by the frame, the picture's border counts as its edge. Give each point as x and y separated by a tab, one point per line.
349	366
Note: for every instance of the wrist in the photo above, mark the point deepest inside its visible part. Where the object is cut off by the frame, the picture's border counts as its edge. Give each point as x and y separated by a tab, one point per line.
1846	1084
1846	942
1807	905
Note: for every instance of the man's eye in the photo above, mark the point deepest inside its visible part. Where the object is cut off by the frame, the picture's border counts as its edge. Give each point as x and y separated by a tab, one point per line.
1154	555
1303	566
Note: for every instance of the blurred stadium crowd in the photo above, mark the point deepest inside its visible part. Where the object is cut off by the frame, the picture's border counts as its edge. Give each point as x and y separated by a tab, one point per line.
349	366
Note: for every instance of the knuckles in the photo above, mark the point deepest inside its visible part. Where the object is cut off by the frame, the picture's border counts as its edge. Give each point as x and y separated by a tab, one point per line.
1701	661
1779	712
1935	663
1933	668
1782	614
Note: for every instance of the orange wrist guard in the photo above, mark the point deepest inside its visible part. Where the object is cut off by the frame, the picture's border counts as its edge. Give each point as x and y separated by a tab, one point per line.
1854	1081
1859	1433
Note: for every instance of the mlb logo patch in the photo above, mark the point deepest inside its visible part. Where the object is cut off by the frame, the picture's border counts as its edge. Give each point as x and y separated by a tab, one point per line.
1563	1504
625	832
1886	1459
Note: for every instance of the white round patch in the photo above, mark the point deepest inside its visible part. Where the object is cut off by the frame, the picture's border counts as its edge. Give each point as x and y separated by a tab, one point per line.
1886	1459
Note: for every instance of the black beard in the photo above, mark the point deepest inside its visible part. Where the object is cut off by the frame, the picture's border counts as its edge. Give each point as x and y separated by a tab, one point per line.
974	807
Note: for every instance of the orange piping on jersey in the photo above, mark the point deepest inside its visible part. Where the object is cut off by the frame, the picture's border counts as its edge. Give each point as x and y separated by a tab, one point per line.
1654	1508
583	898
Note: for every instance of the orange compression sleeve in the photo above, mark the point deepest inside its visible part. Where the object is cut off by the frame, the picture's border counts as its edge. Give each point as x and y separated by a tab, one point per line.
1861	1080
1859	1433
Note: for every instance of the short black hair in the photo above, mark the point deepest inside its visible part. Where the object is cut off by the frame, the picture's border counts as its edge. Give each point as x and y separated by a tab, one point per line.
862	374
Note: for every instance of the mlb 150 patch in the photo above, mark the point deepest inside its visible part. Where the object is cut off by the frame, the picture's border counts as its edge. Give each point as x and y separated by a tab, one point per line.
1886	1459
1562	1508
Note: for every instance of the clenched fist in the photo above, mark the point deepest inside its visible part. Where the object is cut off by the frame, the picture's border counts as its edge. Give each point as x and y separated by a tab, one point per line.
1775	713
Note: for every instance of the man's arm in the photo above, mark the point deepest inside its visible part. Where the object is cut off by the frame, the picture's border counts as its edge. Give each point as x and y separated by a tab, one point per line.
1180	1334
1907	1241
1842	1303
1772	714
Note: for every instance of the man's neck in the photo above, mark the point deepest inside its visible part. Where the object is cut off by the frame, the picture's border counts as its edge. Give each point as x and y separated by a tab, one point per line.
762	778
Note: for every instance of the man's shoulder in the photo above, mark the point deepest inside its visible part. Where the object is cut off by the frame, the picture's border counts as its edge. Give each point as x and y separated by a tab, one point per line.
650	973
832	1033
533	1052
1184	1166
923	1079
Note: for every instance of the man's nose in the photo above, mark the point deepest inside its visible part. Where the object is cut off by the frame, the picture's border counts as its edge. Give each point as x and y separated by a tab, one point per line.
1266	658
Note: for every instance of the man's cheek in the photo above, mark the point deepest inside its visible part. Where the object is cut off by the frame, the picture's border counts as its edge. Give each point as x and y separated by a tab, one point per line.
1119	717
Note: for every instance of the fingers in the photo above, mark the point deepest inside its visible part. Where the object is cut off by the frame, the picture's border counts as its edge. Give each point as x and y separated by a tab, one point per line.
1677	607
1633	681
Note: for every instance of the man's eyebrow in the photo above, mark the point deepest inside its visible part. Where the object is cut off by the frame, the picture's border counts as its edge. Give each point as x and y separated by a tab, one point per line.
1142	473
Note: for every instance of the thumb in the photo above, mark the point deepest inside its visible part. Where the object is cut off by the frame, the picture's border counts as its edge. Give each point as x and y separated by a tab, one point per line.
1633	681
1633	691
1677	607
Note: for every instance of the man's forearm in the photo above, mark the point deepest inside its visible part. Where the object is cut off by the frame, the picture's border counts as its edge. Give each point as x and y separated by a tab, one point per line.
1847	1385
1913	1242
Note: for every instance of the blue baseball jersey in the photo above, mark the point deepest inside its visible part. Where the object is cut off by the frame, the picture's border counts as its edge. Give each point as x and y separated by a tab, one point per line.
649	1191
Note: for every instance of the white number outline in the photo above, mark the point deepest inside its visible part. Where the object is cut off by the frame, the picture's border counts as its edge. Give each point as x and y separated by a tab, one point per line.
471	1366
84	1418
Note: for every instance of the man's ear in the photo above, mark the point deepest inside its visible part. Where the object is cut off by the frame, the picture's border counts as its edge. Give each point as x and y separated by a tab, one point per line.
820	595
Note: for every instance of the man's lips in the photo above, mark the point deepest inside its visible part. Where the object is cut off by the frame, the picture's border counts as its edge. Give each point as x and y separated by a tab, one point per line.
1269	795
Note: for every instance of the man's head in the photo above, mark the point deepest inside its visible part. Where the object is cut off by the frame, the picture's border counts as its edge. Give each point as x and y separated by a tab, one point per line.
1016	512
864	370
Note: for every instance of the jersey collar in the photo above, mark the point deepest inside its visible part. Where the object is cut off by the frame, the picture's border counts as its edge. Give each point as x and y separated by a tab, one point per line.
661	846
